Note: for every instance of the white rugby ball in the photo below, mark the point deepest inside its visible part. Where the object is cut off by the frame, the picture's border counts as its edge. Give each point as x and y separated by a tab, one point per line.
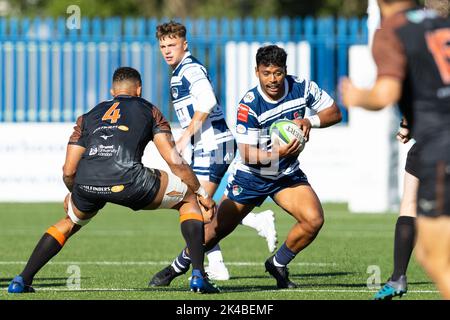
284	131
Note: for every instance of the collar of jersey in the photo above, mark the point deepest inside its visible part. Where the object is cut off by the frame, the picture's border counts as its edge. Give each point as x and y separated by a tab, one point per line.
267	99
187	54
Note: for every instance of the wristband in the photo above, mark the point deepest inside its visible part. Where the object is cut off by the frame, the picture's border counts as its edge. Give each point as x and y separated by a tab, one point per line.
202	192
315	121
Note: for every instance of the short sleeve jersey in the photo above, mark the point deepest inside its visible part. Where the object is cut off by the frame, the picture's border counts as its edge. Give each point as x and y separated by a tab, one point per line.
115	134
256	112
414	47
189	80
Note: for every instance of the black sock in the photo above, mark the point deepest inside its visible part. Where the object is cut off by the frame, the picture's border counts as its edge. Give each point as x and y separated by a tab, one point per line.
405	232
194	236
46	249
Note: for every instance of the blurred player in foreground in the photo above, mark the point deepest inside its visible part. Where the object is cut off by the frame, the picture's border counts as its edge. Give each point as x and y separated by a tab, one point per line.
213	145
273	170
103	164
412	53
405	229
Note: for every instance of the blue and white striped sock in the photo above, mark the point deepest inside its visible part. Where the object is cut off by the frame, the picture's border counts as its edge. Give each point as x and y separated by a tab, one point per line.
181	263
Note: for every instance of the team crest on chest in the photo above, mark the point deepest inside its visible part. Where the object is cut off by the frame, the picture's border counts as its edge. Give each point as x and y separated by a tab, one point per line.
249	97
237	190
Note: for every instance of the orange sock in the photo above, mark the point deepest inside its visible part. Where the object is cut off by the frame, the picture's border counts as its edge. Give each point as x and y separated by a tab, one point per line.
191	216
58	235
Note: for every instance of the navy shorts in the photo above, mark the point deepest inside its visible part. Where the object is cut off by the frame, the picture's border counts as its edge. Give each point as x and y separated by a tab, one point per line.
136	195
412	161
433	198
246	188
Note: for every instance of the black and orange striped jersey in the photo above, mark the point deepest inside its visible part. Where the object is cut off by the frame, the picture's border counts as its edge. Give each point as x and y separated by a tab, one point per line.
414	46
115	134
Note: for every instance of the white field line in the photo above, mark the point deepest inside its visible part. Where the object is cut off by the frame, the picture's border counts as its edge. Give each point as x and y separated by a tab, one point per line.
227	291
150	263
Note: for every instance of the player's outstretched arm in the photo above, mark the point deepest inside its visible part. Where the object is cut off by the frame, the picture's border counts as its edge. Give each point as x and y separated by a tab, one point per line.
73	157
166	147
386	91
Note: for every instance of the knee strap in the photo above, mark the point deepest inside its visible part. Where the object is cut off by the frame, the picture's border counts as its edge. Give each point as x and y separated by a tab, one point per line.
72	215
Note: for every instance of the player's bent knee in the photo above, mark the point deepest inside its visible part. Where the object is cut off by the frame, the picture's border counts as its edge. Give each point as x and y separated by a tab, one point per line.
313	225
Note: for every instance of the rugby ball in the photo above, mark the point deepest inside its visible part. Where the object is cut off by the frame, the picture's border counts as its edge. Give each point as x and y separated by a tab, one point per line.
284	131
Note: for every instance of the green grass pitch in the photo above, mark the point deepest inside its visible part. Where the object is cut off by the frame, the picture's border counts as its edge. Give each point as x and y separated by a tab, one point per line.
119	250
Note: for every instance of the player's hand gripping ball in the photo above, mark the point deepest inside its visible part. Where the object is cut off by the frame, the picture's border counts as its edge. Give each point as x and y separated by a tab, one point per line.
284	131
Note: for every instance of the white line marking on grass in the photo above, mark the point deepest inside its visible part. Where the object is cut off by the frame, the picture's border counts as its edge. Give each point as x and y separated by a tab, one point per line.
147	263
225	290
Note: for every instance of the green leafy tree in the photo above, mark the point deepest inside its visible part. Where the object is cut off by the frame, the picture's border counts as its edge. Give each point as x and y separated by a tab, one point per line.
192	8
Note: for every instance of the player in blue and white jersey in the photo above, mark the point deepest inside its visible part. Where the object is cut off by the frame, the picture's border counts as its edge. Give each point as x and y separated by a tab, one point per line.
266	170
213	144
269	170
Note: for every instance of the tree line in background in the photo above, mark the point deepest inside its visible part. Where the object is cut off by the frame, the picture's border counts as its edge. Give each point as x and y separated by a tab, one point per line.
189	8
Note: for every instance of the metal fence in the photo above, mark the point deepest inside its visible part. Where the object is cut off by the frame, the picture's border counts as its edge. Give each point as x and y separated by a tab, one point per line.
50	73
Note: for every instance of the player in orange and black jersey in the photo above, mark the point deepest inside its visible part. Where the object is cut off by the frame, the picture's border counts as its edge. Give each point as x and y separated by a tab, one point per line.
103	164
412	53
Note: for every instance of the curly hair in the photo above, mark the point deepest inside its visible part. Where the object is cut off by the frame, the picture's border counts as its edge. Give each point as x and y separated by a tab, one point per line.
171	29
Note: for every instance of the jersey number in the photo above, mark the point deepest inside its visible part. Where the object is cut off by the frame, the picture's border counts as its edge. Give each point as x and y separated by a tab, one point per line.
112	114
439	44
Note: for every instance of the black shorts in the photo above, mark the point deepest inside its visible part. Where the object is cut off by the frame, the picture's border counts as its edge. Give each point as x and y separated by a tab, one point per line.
136	195
433	198
412	161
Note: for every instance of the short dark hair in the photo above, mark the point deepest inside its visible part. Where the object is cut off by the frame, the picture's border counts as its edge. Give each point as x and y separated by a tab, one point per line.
127	73
271	55
171	29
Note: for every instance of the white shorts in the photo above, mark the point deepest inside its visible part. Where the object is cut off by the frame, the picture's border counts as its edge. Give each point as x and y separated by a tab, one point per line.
175	191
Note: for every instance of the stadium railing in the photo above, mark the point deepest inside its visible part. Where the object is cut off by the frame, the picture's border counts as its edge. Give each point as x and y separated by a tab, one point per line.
51	73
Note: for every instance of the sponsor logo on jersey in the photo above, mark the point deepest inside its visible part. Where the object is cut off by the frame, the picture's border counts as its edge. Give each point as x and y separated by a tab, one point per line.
249	97
123	128
96	190
106	137
105	127
107	151
243	112
117	188
174	92
93	151
240	128
237	190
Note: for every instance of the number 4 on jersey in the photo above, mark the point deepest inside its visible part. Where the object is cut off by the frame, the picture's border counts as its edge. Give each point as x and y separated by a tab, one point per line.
438	43
113	114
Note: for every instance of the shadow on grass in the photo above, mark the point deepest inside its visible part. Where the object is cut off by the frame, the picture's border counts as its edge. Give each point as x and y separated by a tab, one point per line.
297	275
44	282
